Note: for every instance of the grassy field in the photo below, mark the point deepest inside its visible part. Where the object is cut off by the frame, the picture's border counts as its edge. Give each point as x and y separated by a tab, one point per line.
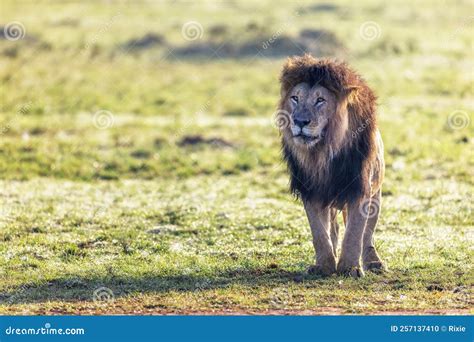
140	164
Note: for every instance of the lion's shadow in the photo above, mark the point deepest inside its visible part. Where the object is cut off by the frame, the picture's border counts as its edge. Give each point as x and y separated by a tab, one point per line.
77	288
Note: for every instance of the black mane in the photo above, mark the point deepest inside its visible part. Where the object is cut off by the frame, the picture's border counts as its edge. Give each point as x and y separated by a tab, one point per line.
345	180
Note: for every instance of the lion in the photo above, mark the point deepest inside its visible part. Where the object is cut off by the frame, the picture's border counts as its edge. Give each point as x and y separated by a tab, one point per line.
334	153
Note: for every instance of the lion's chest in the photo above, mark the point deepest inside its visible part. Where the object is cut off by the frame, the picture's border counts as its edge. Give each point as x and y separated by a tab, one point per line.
341	180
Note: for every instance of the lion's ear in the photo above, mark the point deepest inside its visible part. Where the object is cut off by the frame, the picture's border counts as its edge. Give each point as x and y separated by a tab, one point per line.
350	92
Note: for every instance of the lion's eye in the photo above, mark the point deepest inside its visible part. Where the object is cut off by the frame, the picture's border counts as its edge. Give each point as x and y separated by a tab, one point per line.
320	100
294	99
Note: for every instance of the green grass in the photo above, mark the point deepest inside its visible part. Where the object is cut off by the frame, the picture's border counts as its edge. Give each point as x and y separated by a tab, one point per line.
167	226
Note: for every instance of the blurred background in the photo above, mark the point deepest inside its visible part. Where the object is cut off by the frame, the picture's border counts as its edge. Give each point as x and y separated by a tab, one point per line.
176	67
139	149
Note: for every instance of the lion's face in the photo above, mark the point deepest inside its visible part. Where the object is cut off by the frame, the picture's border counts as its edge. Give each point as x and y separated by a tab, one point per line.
310	110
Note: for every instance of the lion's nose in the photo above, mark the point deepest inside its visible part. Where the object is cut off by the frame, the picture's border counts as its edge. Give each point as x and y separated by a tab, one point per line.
301	123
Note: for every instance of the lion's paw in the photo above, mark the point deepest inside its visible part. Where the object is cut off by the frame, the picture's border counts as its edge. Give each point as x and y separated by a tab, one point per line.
323	271
350	271
371	260
375	266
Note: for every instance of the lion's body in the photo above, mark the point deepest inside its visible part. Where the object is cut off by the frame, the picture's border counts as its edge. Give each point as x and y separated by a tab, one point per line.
344	168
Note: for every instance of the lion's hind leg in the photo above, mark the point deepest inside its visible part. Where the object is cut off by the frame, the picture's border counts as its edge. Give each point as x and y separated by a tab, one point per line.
370	257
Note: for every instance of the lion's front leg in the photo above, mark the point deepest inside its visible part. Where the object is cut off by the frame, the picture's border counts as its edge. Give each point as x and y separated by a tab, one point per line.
319	221
349	261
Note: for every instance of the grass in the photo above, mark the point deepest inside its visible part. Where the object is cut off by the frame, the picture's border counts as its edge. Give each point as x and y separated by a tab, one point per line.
175	200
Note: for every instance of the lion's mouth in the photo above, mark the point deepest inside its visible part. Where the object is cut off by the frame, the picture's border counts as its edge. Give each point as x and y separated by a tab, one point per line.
306	138
309	139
